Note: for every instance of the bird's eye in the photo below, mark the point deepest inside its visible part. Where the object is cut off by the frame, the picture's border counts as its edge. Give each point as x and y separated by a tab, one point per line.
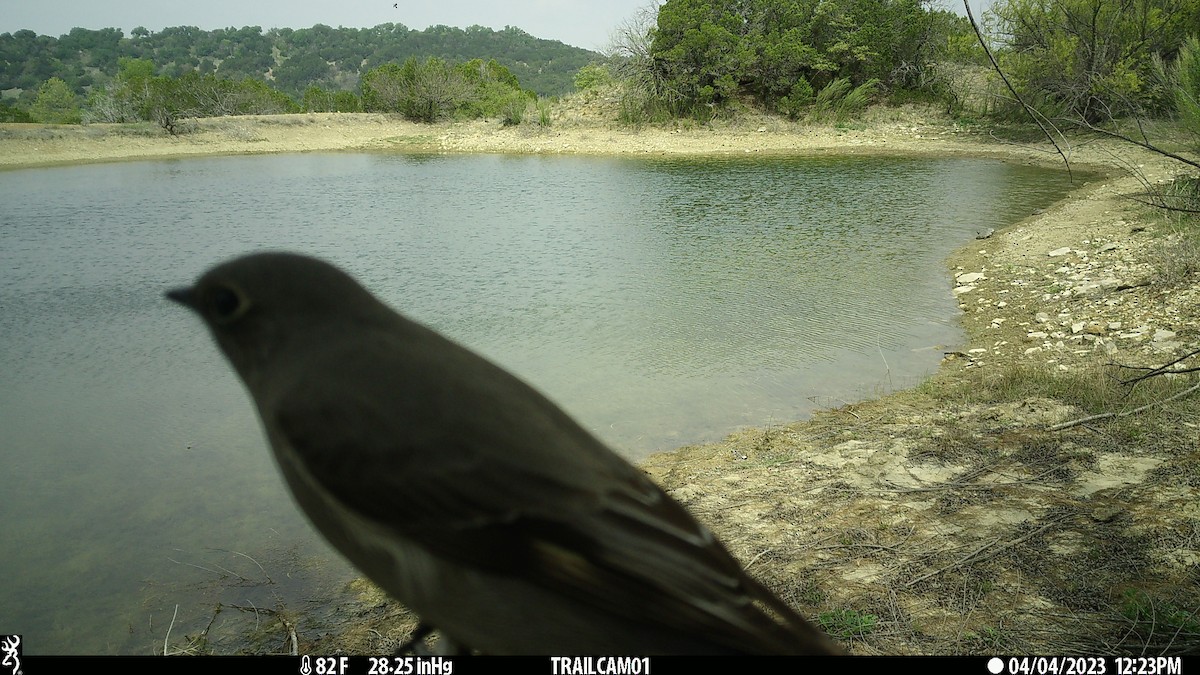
226	304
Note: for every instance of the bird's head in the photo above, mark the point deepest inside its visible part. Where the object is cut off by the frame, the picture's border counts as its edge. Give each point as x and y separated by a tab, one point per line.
256	303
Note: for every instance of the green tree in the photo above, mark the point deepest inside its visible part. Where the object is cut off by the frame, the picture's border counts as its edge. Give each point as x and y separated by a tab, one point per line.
383	87
55	104
11	114
300	71
706	52
127	96
1181	81
317	99
495	91
346	101
593	76
433	89
422	91
1092	58
698	49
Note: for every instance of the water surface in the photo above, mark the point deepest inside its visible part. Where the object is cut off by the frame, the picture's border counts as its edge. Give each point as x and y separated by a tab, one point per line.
660	301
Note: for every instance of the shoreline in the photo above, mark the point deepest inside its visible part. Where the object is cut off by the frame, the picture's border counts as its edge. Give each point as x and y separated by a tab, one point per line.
895	133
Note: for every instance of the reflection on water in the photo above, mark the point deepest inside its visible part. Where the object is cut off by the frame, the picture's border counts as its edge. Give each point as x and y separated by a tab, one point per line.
662	302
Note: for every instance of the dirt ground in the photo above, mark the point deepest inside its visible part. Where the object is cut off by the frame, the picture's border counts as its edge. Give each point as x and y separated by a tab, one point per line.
952	518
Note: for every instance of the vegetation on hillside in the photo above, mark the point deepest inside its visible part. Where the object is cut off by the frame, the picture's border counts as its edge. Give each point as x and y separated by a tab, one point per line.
1093	59
290	60
431	90
1123	68
805	59
1104	66
423	91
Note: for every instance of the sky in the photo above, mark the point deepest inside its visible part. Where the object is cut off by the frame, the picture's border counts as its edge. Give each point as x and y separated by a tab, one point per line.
581	23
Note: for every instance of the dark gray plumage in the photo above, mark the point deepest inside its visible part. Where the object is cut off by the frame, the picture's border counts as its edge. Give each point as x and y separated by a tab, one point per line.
466	494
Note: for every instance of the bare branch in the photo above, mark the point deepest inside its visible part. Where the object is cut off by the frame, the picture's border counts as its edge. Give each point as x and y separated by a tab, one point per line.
1033	114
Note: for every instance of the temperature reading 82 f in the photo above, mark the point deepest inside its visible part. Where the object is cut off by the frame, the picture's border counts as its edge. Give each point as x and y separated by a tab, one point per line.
324	665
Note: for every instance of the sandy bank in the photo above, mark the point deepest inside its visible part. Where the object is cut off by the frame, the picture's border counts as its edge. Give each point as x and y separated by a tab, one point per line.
892	132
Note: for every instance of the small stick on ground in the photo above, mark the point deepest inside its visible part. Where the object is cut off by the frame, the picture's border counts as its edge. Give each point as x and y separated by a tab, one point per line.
1074	423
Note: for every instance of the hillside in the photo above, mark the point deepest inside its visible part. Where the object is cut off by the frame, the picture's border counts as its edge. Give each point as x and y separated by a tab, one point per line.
291	60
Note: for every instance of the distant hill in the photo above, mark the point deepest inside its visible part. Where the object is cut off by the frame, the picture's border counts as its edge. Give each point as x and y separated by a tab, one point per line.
290	60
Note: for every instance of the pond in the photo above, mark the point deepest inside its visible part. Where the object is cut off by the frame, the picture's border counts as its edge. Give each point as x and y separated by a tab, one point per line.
660	301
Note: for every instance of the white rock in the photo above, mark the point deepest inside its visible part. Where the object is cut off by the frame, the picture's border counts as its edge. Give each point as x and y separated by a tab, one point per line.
1165	346
969	278
1059	252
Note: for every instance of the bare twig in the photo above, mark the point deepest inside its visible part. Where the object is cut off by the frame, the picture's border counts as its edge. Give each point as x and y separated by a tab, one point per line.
1143	144
199	567
1033	114
886	367
1164	369
755	559
255	609
260	567
957	485
970	557
167	639
1073	423
1160	205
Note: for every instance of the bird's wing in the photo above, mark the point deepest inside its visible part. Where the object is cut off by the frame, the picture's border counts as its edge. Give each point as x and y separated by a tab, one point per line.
488	473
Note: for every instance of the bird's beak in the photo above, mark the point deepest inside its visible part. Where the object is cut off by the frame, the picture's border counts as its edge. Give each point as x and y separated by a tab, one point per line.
183	296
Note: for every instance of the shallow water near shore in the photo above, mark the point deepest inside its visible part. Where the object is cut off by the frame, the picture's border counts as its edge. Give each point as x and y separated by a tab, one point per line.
660	301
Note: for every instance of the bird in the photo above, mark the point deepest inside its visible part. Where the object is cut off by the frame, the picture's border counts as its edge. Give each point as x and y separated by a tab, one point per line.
465	493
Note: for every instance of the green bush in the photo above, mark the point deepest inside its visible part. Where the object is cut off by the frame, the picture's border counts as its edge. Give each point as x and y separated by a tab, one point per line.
712	52
55	104
1092	58
799	98
11	114
593	76
432	90
1185	85
317	99
514	112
